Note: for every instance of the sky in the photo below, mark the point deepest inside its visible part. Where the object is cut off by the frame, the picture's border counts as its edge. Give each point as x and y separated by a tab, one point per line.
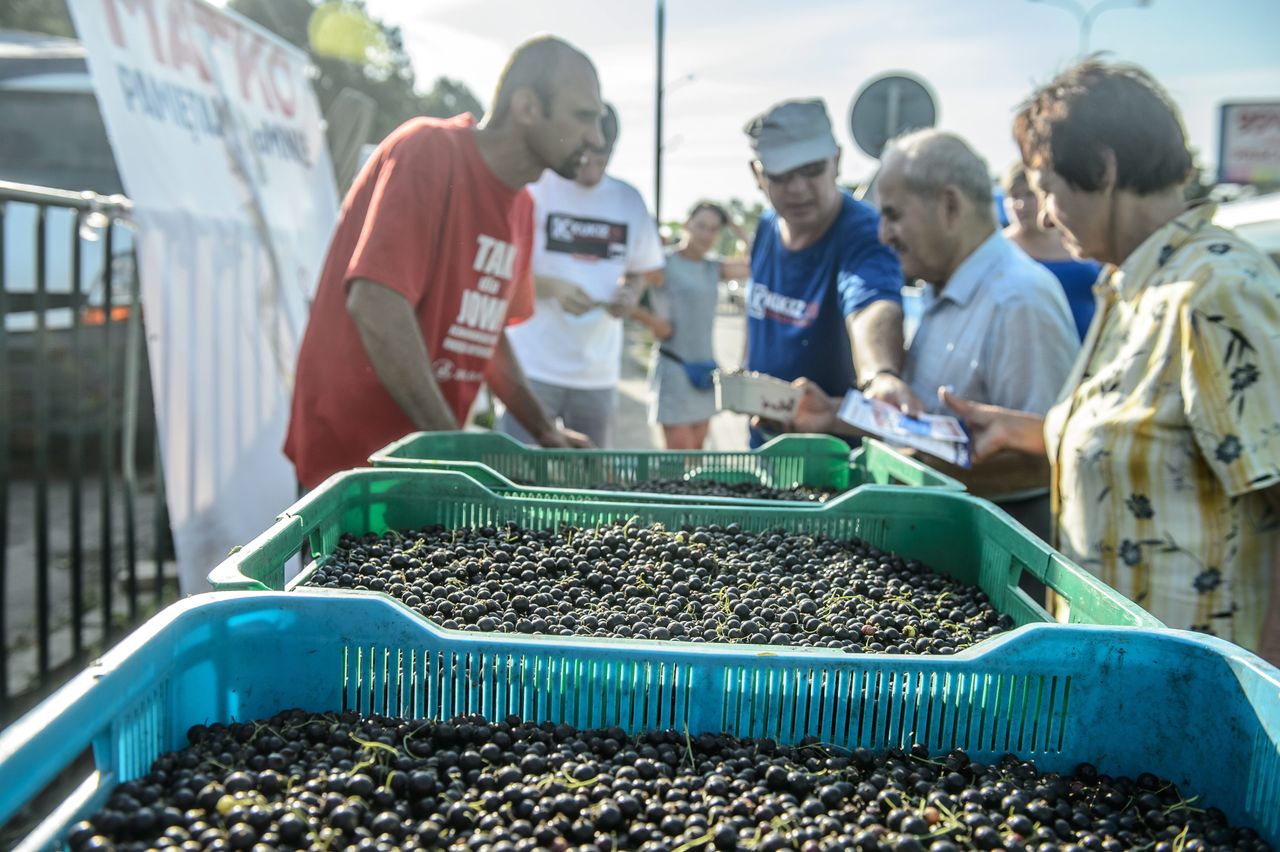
728	60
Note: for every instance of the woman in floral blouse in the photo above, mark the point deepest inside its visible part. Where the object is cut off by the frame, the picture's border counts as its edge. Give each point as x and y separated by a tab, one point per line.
1165	444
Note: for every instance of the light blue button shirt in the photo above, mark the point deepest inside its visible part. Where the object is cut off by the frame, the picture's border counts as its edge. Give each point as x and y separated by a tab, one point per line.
999	331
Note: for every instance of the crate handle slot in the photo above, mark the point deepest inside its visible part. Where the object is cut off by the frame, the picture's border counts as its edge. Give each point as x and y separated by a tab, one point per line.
260	565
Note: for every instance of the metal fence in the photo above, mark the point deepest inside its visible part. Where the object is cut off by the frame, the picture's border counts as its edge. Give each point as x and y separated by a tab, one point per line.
84	537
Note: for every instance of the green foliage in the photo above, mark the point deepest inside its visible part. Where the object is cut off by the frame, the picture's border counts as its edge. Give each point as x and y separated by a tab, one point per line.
37	16
746	215
385	74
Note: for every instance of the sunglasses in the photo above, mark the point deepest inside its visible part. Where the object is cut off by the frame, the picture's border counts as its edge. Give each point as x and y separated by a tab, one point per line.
809	171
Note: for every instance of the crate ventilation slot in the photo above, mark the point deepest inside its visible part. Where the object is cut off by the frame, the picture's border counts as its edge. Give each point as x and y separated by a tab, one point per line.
1263	792
882	708
139	735
580	691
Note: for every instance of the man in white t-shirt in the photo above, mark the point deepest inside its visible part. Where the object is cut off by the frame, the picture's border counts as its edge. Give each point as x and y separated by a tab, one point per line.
595	250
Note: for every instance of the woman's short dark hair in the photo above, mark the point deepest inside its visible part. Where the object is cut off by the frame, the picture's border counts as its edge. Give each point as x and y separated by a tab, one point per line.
1095	107
713	207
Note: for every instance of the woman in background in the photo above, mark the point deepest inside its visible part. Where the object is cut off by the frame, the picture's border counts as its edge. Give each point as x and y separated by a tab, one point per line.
682	320
1036	235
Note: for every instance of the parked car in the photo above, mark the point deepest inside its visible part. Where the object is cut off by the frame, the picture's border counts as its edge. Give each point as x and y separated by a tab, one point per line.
52	137
1256	219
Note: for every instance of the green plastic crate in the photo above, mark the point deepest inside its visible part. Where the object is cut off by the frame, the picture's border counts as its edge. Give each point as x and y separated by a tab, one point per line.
506	466
954	533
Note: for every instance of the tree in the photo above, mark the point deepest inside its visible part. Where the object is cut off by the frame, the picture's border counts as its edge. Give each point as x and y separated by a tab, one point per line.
747	216
350	49
37	16
382	71
450	97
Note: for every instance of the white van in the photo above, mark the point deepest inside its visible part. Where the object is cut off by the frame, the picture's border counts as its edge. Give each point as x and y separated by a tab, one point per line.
1255	219
52	137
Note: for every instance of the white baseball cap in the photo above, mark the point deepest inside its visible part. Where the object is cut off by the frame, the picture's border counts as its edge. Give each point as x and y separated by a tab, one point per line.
792	133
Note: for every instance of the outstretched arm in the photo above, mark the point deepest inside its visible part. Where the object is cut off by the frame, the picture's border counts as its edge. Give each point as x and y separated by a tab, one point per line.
632	289
994	429
660	327
878	354
507	381
393	341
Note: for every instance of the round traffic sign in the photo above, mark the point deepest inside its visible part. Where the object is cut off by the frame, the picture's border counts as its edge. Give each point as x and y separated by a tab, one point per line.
888	106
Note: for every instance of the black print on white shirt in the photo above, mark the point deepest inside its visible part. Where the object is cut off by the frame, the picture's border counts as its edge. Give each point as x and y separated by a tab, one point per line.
590	237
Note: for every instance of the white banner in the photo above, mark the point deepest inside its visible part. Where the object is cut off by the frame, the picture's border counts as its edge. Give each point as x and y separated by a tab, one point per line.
218	138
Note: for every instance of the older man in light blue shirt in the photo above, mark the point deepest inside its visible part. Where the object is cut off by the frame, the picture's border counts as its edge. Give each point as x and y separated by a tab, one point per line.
995	324
994	329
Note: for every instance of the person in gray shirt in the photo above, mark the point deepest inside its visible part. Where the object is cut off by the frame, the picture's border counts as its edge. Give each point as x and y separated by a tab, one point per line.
682	397
995	324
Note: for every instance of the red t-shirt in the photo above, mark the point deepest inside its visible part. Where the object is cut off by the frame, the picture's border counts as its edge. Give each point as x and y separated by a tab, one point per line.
427	218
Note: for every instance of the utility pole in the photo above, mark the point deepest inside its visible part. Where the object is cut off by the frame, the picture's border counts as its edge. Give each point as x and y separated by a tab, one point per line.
657	120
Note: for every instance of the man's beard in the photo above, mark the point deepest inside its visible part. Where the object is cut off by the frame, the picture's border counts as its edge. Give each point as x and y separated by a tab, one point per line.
569	168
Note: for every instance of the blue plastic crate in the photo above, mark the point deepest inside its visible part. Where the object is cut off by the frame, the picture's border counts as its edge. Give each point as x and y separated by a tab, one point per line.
1194	709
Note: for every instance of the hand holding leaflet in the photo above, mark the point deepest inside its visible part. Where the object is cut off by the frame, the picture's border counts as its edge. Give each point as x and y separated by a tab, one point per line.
937	435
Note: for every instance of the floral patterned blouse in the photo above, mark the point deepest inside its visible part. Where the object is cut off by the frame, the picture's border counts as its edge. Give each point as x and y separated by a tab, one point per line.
1173	429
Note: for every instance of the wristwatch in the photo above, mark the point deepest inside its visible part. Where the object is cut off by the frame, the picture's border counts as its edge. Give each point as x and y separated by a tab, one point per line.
883	371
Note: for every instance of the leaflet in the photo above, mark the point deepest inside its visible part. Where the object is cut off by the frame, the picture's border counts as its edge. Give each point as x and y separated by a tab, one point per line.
935	434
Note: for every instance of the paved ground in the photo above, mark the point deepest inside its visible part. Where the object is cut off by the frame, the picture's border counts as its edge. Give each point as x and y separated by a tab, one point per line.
21	602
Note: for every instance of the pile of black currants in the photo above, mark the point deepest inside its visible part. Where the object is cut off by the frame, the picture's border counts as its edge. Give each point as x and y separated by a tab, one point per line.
708	584
739	490
330	781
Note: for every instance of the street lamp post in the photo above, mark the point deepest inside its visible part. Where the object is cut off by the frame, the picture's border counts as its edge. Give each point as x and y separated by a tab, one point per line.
1088	16
657	119
661	89
660	144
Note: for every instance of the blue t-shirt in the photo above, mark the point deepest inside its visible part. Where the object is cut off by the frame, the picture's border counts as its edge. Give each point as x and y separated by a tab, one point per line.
797	301
1077	277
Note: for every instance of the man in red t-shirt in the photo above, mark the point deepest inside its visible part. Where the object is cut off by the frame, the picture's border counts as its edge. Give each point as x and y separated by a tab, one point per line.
430	262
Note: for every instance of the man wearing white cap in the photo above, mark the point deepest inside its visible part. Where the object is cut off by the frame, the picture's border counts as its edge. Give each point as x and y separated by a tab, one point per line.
825	294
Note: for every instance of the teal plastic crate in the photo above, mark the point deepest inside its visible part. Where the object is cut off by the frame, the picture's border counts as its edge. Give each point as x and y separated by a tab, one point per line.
506	466
1194	709
955	533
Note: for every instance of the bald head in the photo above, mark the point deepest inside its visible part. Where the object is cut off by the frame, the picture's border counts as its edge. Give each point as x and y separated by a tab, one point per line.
931	160
540	64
